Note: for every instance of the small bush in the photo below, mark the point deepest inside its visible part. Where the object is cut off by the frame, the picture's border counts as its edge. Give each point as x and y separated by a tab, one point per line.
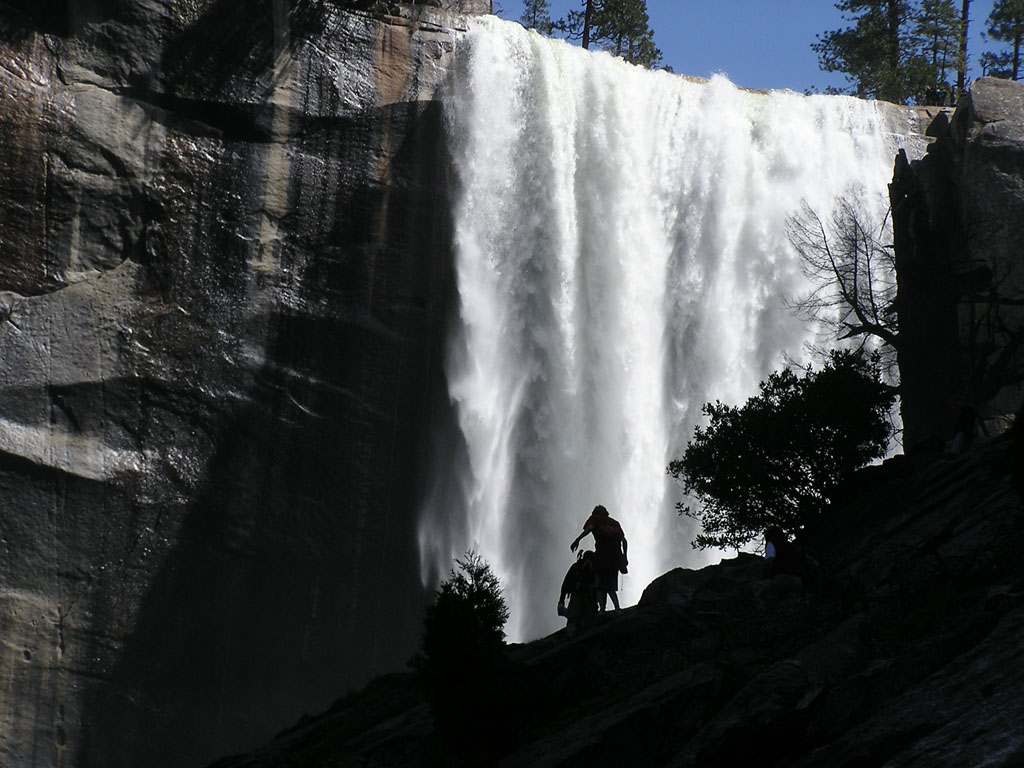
462	663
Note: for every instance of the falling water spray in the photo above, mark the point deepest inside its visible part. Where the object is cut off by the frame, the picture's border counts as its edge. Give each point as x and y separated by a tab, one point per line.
621	258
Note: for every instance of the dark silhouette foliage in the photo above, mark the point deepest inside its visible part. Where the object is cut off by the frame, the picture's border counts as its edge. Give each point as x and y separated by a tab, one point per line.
776	459
467	617
462	663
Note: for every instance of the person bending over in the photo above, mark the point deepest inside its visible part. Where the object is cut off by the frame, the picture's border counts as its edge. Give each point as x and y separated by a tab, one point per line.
610	549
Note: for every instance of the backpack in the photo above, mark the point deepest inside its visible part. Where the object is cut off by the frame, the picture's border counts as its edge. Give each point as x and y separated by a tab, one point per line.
583	577
582	591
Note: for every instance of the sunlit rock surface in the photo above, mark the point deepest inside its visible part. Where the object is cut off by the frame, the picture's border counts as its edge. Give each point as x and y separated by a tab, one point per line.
958	218
222	293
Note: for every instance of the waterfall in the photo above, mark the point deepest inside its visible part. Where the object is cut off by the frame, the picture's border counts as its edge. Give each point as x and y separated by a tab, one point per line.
621	259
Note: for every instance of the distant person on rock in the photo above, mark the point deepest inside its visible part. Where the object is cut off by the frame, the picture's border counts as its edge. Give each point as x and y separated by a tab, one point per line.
610	556
784	557
965	427
579	586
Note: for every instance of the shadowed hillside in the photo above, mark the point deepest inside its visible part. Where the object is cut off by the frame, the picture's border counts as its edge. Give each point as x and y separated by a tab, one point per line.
900	650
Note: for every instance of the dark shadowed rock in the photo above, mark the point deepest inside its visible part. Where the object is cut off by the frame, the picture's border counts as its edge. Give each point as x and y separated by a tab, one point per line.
898	651
958	220
223	294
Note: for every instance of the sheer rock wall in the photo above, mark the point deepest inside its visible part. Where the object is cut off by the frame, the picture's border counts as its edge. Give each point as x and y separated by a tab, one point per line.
958	218
223	289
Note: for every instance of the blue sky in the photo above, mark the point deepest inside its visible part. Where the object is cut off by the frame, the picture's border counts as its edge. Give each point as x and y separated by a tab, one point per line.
757	43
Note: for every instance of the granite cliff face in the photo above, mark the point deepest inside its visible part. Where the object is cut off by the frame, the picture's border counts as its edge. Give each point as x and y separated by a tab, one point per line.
223	294
958	218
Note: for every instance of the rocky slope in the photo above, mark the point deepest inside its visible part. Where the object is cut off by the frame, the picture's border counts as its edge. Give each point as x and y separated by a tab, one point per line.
223	288
901	650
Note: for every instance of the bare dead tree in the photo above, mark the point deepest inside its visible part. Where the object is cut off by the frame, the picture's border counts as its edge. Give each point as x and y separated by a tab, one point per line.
850	262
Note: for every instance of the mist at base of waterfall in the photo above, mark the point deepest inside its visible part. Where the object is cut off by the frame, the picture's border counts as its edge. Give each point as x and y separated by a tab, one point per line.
621	258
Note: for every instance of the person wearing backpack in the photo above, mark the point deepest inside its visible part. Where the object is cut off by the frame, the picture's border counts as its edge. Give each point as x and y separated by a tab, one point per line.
610	554
578	586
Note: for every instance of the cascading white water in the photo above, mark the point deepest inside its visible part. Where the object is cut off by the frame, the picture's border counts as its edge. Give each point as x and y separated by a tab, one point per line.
621	258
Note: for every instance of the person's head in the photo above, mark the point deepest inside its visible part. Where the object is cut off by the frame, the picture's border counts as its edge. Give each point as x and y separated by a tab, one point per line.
600	511
584	555
774	534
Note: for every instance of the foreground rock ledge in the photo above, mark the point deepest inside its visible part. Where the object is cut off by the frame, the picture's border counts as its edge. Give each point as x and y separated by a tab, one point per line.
901	651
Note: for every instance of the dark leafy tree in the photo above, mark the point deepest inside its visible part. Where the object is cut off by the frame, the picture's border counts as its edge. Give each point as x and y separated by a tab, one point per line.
778	459
537	15
1005	25
619	26
462	661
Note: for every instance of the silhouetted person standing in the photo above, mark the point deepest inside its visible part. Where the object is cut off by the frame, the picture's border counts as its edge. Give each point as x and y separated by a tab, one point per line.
966	425
610	554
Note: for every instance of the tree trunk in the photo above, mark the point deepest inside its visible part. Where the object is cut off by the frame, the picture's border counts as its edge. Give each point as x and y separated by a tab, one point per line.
893	20
1016	53
588	14
961	70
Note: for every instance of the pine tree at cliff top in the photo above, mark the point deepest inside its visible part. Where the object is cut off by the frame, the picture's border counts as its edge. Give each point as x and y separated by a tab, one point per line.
619	26
537	15
1006	25
896	50
937	30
